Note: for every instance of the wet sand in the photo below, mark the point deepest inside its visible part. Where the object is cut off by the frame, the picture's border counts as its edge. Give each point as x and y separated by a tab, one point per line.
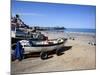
79	54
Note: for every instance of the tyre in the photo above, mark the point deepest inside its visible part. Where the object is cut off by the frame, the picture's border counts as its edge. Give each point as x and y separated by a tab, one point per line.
44	55
58	52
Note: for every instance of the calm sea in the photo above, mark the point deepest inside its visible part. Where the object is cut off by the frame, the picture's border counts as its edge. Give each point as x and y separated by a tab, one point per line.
80	30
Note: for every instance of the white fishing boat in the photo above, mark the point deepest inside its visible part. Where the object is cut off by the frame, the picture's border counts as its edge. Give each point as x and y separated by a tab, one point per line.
42	46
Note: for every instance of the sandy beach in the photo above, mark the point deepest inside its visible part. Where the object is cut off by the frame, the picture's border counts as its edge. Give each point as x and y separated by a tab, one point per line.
79	54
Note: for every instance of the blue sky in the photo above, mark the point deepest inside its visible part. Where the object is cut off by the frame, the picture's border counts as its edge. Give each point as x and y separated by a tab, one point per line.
51	14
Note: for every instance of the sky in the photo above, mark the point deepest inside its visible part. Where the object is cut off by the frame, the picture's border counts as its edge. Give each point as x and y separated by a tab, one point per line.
53	14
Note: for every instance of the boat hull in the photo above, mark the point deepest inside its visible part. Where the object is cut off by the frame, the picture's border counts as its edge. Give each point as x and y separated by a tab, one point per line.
43	48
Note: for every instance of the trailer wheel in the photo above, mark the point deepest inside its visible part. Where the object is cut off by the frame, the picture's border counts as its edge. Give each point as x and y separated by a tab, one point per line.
44	55
58	52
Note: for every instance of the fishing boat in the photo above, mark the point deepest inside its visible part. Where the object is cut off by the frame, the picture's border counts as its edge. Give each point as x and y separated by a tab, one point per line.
18	34
42	46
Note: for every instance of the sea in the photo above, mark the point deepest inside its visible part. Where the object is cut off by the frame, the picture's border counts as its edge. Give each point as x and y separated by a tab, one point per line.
74	30
80	30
